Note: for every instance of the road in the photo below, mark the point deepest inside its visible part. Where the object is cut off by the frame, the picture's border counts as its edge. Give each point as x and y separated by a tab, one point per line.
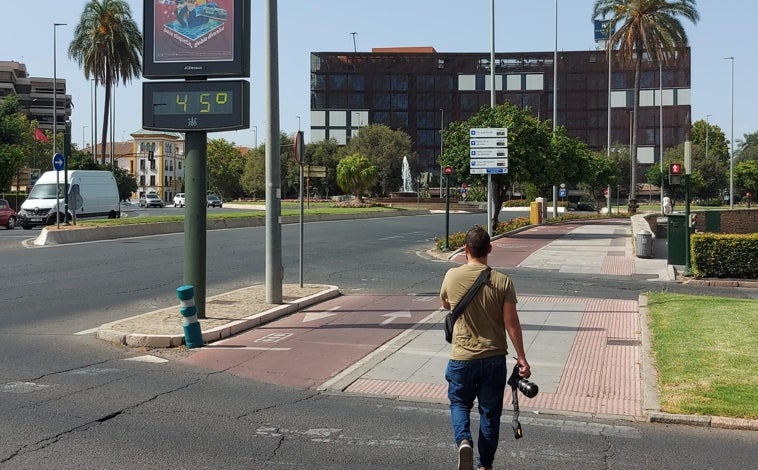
70	401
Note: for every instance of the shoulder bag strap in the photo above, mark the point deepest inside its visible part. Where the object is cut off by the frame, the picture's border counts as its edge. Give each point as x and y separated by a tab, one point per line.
483	277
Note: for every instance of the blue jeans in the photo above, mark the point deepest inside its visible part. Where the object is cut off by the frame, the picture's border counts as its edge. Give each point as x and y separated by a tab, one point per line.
484	380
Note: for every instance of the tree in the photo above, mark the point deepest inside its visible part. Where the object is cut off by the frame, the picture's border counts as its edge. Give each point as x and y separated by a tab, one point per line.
643	27
529	144
705	134
355	174
325	153
15	139
107	45
747	149
601	172
253	179
225	166
384	148
746	175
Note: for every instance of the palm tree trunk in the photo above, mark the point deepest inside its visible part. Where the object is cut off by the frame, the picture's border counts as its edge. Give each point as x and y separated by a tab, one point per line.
106	112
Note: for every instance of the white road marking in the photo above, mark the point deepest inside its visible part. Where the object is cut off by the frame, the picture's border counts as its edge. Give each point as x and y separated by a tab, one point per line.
395	315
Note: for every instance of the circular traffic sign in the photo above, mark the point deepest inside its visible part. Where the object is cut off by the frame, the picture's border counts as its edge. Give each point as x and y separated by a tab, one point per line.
563	185
448	170
605	192
58	162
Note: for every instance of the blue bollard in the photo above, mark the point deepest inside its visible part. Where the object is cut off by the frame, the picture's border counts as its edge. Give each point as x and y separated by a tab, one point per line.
193	337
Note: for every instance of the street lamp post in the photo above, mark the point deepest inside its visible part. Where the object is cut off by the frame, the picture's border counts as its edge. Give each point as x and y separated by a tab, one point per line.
707	133
83	141
255	135
731	142
55	126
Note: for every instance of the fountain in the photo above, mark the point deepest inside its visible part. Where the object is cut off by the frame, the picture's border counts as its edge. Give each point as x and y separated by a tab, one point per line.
407	188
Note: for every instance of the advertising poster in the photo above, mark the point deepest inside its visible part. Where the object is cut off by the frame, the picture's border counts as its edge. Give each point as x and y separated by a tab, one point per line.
193	31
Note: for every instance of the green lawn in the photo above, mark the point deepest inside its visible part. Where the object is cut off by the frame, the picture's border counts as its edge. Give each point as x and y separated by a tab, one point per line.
706	352
287	209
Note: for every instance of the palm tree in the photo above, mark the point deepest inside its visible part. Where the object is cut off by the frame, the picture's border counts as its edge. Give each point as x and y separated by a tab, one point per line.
355	174
107	45
642	27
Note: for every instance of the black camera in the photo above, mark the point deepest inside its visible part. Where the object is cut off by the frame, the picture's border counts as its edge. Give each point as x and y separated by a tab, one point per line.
528	388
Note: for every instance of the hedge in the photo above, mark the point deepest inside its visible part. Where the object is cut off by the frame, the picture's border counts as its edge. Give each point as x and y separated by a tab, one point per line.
725	255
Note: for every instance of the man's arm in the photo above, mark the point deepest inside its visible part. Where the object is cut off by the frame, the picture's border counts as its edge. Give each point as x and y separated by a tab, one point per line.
513	327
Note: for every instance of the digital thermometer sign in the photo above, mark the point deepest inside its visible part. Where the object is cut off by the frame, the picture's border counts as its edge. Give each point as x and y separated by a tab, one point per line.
212	105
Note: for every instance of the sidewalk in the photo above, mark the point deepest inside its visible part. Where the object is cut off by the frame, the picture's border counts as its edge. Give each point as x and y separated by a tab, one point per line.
589	356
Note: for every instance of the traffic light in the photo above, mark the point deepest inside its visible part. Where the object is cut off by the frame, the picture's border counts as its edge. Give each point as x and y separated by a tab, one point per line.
675	173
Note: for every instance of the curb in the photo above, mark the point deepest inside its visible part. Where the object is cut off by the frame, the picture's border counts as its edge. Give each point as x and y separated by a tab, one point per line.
138	340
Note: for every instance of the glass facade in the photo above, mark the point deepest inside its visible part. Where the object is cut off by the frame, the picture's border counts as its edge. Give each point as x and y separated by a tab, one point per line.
412	91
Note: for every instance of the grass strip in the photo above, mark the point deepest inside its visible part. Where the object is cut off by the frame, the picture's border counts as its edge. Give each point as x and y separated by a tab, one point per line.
706	352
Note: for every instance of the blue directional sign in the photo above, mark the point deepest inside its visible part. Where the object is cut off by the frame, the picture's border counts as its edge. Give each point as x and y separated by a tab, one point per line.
58	162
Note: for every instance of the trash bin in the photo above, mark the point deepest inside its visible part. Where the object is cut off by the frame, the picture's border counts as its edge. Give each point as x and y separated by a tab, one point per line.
644	244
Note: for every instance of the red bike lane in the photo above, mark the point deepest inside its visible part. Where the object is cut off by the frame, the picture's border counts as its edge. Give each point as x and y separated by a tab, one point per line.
309	347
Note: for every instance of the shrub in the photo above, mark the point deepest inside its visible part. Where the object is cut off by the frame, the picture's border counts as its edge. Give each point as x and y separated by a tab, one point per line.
725	255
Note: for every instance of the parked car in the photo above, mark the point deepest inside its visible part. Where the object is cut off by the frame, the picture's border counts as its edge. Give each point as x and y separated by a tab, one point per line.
7	215
214	201
151	200
583	207
179	200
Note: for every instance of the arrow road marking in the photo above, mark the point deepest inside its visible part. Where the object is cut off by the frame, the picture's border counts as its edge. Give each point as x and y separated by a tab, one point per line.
313	316
394	315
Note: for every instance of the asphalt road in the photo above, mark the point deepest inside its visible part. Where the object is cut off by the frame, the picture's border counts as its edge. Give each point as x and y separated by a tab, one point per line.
70	401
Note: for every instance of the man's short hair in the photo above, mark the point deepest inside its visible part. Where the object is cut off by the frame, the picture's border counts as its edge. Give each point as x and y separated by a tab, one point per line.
478	242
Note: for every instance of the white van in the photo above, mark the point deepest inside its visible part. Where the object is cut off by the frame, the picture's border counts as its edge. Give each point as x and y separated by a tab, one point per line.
91	193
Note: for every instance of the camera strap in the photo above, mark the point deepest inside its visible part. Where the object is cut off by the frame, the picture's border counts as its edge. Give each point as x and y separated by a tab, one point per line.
515	424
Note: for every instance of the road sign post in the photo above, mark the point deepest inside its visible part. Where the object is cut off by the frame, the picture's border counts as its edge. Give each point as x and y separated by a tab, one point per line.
59	162
488	150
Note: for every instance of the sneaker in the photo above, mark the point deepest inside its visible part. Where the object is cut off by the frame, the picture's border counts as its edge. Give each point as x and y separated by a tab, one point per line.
465	456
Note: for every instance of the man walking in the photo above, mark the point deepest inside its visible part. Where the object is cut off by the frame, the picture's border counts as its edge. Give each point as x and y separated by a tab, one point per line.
477	369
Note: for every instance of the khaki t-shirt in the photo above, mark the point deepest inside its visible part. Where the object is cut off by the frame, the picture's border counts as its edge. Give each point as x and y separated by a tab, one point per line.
480	330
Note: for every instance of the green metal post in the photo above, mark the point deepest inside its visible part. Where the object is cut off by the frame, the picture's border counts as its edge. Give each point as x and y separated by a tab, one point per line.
447	212
687	231
195	182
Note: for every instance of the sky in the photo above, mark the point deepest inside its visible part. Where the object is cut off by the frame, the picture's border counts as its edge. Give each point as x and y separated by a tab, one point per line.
725	30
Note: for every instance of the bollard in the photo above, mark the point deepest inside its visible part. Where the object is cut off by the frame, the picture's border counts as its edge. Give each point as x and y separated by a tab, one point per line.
193	337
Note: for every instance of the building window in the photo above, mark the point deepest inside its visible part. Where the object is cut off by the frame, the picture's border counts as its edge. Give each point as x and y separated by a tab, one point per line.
399	82
357	83
400	101
444	83
466	82
382	101
356	100
534	81
399	119
425	82
318	82
469	101
338	82
427	138
426	120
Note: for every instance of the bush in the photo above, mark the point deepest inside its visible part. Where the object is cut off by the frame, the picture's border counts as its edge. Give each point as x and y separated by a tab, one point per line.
725	255
458	239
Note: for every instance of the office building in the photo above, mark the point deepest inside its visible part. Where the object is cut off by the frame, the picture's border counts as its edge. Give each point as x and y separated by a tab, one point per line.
420	90
36	95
